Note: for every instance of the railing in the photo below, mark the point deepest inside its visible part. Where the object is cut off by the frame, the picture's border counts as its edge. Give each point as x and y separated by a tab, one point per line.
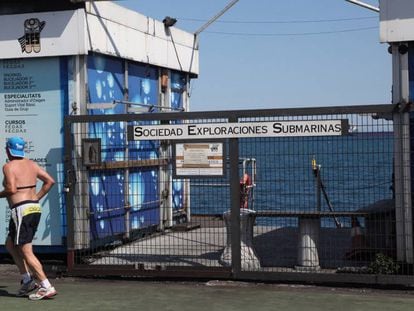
330	208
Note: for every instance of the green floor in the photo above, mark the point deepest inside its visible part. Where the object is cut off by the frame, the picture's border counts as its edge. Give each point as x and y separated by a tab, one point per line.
89	294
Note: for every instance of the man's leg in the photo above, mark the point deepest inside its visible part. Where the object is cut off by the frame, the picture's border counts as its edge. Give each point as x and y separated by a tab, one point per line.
32	261
27	283
46	290
16	255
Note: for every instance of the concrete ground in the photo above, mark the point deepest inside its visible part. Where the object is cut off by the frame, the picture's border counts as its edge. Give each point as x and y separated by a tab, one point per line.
275	247
103	294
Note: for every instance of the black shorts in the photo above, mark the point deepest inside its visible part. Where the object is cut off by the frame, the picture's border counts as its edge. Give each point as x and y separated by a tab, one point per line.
24	220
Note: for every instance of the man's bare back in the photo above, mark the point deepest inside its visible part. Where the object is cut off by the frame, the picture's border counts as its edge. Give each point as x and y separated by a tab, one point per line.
20	176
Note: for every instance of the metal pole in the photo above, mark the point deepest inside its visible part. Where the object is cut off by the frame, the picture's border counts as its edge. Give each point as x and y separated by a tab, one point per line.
165	173
215	17
69	196
81	206
170	167
364	5
126	172
406	171
235	204
212	20
402	161
318	189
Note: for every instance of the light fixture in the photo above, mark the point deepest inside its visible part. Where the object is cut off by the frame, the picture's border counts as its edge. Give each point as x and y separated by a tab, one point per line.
169	21
402	49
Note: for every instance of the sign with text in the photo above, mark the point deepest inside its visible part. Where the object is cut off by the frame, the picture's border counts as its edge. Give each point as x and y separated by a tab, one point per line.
238	130
31	107
199	159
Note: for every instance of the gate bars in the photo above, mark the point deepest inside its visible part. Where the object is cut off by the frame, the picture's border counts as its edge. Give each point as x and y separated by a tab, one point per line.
319	209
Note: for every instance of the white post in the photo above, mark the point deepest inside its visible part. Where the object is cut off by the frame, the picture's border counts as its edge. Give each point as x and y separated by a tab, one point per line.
403	204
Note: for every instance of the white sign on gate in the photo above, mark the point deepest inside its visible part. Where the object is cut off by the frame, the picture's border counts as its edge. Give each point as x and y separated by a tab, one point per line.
199	159
239	130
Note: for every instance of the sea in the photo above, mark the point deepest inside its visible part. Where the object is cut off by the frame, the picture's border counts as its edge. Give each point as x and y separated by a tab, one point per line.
356	171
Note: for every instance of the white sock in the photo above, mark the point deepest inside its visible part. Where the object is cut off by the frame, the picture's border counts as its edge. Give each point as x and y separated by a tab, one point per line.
26	277
45	283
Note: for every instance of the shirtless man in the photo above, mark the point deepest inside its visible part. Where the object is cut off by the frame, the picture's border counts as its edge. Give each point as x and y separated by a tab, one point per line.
20	177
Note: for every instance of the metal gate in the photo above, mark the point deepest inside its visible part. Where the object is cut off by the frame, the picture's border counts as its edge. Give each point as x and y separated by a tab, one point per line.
299	202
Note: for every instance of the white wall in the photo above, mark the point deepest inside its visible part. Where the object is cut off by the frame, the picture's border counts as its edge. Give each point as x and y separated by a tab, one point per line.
63	34
115	30
106	28
396	20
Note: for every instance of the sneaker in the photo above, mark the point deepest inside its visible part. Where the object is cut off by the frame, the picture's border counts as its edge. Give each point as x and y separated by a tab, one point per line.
43	293
27	288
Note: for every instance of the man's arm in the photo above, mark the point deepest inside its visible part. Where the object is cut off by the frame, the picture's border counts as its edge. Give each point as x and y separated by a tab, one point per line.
9	183
48	182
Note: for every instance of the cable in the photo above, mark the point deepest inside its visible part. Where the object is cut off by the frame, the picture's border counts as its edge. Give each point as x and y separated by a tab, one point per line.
289	34
281	22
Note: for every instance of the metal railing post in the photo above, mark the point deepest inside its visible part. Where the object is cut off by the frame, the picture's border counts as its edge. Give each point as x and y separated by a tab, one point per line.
69	194
235	204
403	202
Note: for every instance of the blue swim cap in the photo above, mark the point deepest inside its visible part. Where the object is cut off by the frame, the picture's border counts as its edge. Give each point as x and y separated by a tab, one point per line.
15	145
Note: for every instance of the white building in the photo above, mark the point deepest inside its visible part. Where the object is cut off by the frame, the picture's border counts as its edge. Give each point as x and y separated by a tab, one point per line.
67	57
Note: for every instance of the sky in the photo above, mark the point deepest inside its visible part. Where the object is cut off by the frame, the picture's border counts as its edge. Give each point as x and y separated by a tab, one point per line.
282	53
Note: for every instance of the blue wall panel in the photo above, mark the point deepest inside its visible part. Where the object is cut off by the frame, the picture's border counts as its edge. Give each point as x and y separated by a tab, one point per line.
105	84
